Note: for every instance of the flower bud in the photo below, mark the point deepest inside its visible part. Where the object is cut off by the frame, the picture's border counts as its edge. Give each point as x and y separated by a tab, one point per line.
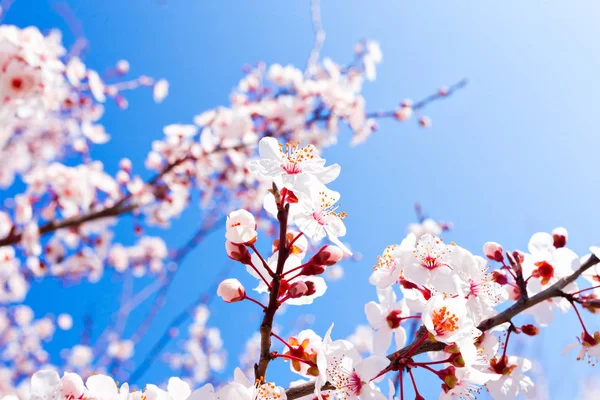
312	269
298	289
241	227
238	252
448	375
499	278
122	67
530	330
560	237
231	290
425	122
64	322
125	164
519	256
328	256
493	251
403	113
312	289
591	303
458	361
288	195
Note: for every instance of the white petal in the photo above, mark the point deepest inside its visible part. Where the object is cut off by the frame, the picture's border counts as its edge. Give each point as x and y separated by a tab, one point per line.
178	389
206	392
381	340
268	148
102	387
368	368
45	384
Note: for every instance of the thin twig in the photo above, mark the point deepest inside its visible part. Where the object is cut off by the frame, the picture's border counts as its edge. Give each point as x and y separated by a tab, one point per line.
315	11
205	298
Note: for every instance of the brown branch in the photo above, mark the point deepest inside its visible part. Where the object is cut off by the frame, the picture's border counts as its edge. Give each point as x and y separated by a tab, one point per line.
520	280
119	208
260	369
555	290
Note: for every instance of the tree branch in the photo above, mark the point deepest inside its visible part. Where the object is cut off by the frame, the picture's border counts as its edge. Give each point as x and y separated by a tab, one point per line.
260	369
119	208
503	317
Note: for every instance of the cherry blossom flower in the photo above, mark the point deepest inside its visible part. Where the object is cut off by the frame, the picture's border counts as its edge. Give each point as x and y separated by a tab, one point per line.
305	346
390	265
293	165
589	347
468	384
319	217
513	382
447	320
160	91
475	283
386	317
430	265
340	364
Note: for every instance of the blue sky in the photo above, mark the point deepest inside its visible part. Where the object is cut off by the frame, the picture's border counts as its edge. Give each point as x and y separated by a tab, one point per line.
512	154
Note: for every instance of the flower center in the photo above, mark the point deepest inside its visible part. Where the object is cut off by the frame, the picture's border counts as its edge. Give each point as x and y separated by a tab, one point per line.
474	287
430	262
385	261
431	254
346	380
444	321
501	366
327	207
355	384
17	83
544	270
394	319
294	156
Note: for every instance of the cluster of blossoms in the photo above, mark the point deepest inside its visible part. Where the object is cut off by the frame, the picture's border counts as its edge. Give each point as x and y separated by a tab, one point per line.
458	298
51	108
202	352
22	337
62	224
51	102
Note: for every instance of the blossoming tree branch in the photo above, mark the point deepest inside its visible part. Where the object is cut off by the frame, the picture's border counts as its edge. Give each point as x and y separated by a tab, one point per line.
61	216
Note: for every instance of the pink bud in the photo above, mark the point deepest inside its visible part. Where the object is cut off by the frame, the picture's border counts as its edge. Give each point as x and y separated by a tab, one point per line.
122	67
328	255
238	252
231	290
560	237
530	330
425	122
406	103
298	289
122	102
403	113
519	256
493	251
241	227
125	164
499	278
